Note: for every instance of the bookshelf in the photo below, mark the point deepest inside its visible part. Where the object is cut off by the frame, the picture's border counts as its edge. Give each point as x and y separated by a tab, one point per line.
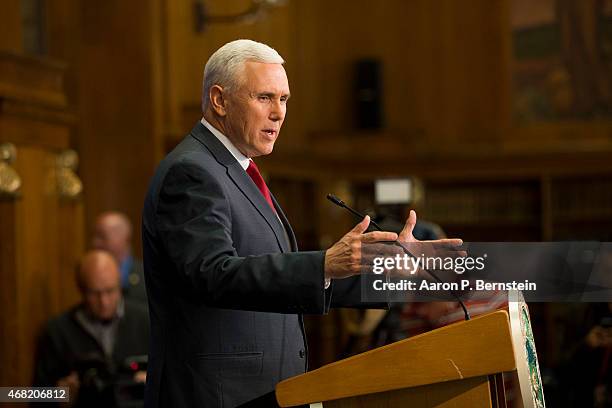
485	210
547	208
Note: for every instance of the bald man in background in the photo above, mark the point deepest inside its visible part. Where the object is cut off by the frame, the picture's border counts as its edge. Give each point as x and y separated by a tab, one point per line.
113	233
103	333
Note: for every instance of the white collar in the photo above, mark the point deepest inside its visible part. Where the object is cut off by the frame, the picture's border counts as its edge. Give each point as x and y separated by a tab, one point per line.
241	158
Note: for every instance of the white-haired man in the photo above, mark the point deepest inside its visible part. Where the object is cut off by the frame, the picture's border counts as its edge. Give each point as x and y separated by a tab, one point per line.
225	282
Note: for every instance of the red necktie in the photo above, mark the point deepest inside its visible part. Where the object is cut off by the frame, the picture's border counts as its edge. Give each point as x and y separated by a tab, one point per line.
255	175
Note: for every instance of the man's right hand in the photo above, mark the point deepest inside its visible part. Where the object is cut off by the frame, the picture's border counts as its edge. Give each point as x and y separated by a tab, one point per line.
72	382
343	259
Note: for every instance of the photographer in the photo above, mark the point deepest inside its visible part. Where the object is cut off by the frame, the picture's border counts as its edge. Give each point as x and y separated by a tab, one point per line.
89	347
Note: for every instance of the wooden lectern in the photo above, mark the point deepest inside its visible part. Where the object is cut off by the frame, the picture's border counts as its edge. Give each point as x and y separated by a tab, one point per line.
459	365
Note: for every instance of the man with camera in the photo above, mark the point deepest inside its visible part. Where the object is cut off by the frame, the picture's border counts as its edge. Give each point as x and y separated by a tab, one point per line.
98	347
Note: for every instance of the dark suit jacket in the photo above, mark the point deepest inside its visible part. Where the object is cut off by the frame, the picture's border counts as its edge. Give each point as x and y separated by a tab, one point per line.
64	345
225	288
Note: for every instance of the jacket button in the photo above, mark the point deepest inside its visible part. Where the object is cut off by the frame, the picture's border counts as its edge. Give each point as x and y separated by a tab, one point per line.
302	353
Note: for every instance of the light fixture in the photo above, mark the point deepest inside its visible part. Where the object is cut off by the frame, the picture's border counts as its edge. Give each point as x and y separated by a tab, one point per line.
256	10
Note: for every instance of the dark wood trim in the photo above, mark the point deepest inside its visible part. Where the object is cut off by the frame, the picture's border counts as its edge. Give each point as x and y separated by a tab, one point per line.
21	131
32	80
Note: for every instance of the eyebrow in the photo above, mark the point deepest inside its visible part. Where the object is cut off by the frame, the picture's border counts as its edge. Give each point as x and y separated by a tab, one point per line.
271	94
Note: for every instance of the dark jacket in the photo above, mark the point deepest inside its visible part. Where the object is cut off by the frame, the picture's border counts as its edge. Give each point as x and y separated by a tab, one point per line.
65	346
225	283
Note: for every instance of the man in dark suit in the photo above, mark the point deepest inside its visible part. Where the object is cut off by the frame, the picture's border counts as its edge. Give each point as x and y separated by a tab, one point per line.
226	284
88	347
113	233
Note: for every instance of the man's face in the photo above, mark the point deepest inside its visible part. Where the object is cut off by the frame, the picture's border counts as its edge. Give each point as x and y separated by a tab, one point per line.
256	108
109	236
102	292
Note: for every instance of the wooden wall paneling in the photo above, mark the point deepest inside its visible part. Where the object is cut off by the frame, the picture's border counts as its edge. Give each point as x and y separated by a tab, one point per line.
45	247
406	75
304	79
116	130
9	318
63	36
18	73
174	19
332	74
114	63
43	241
27	133
34	118
70	224
470	80
10	21
37	284
164	109
445	66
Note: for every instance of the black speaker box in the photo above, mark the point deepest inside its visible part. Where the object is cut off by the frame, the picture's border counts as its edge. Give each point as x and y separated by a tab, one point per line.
368	94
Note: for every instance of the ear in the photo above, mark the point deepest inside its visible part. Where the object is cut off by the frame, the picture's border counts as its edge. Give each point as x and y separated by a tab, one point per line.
217	100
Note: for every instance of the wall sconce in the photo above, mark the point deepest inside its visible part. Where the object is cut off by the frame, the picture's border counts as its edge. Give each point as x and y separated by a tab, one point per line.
69	186
256	11
10	182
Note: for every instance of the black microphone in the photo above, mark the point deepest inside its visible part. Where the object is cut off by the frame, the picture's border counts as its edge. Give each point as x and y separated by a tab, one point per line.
342	204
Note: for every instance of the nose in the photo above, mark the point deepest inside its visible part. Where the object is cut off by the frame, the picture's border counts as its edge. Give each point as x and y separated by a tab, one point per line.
106	301
278	110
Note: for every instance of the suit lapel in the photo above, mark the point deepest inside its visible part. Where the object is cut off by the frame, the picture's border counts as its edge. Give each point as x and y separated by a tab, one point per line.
287	226
244	183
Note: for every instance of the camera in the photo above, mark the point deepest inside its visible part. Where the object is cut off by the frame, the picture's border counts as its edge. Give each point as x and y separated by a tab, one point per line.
104	384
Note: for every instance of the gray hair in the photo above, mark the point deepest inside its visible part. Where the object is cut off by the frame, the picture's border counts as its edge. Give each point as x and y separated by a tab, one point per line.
222	67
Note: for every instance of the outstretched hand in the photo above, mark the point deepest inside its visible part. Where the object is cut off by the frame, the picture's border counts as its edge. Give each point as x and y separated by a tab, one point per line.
406	236
437	248
346	257
343	259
